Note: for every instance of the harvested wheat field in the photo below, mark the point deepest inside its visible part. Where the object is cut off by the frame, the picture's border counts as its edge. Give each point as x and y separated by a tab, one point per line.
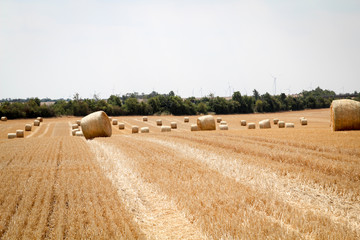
274	183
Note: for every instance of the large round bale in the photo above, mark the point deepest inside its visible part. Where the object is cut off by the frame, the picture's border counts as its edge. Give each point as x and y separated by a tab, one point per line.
186	119
304	121
206	123
78	122
289	125
114	122
11	135
121	126
165	129
36	122
159	122
79	134
345	115
224	127
276	121
144	130
281	124
19	133
243	122
28	127
301	119
40	119
251	126
218	119
4	119
173	125
73	131
265	124
145	119
134	129
74	126
194	127
96	124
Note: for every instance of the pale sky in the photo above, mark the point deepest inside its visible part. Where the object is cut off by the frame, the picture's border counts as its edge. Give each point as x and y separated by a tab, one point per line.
57	48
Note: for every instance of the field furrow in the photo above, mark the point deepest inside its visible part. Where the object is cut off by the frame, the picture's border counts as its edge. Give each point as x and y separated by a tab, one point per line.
337	175
184	180
292	190
46	192
156	215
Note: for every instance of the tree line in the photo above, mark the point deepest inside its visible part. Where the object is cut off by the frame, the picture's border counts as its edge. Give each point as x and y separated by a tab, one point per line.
157	104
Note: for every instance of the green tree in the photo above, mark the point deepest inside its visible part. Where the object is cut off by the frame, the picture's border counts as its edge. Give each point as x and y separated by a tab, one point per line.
310	102
155	104
145	109
259	106
190	108
59	108
131	106
256	94
202	108
240	107
249	103
219	105
176	105
114	100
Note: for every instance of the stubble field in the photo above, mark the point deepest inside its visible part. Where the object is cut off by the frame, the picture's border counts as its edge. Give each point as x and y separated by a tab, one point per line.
300	183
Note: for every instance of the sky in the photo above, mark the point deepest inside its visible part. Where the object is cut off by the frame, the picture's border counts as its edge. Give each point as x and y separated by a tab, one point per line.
55	49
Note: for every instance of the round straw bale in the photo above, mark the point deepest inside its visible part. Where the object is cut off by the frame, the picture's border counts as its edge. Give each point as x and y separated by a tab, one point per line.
186	119
289	125
281	124
223	123
78	122
224	127
264	124
79	134
19	133
301	119
251	126
121	126
304	121
144	130
36	123
276	121
243	122
173	125
11	135
96	124
134	129
28	127
74	126
218	120
159	122
73	131
4	119
194	127
165	129
345	115
114	122
206	122
145	119
40	119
